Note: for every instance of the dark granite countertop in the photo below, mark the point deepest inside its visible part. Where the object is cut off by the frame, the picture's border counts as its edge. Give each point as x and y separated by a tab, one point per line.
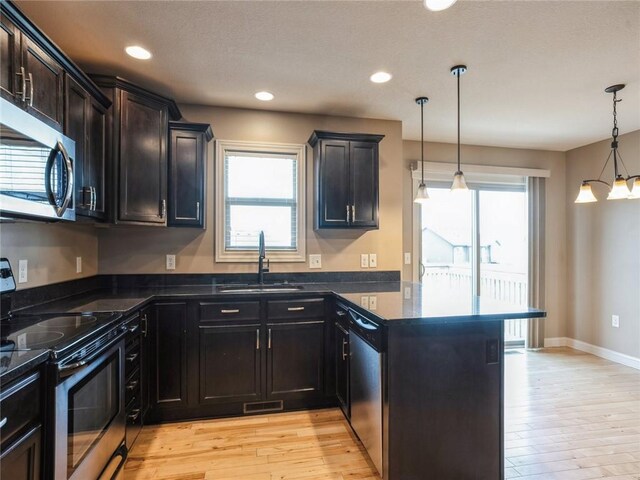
14	363
390	303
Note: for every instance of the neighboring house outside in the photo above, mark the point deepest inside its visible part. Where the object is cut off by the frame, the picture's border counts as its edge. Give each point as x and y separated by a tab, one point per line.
454	249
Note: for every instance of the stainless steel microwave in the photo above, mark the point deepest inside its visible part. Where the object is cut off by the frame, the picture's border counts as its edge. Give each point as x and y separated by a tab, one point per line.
36	168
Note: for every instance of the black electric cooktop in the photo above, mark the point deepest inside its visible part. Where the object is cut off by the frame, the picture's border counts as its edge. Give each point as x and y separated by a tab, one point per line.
56	332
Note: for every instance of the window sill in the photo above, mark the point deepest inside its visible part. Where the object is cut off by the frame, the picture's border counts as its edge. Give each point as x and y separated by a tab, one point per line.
252	257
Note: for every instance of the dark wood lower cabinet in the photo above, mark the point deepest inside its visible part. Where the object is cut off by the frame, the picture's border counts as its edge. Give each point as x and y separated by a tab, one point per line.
22	460
295	360
168	345
230	366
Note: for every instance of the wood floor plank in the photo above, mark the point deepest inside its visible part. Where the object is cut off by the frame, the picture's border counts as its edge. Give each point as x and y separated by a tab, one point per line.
568	416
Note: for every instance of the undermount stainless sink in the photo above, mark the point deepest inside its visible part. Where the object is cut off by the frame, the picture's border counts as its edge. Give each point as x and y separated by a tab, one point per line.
285	287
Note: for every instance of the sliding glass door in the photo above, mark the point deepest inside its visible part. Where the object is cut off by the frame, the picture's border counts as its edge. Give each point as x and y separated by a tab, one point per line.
477	244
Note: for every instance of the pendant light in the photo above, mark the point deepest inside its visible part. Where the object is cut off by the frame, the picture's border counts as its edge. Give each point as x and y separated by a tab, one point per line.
459	184
422	195
619	189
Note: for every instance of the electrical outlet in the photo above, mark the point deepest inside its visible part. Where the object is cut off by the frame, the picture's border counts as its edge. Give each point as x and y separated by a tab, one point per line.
315	261
407	293
23	266
373	302
171	262
407	258
615	321
364	260
373	260
78	264
364	301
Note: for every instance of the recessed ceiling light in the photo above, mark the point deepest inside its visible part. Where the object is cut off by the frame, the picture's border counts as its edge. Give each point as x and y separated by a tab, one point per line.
264	96
380	77
438	5
138	52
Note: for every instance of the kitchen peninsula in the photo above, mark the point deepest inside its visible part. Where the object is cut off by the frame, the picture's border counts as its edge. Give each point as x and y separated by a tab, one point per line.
419	376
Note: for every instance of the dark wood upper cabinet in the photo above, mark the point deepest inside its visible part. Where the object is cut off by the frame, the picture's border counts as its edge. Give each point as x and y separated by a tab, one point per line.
346	169
187	173
85	124
10	61
44	83
137	139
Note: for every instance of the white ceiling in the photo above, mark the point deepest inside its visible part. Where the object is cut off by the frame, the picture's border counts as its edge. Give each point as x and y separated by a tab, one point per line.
537	69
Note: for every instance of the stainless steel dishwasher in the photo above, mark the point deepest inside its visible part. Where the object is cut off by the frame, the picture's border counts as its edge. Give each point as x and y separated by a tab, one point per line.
365	382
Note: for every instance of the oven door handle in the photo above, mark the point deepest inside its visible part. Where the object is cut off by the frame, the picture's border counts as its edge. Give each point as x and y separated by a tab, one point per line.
72	368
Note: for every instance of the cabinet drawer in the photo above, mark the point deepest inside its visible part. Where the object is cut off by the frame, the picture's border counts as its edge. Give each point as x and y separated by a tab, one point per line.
290	309
19	407
223	311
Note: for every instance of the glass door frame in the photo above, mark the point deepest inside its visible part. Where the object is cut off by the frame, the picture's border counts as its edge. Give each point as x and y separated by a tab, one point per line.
475	189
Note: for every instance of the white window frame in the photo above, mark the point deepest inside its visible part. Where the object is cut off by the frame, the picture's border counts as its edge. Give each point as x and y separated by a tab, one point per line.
245	256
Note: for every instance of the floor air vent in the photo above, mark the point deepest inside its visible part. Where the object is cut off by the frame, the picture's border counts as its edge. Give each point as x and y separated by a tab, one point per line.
259	407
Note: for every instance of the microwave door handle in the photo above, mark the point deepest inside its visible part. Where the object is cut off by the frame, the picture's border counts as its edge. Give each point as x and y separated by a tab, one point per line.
59	148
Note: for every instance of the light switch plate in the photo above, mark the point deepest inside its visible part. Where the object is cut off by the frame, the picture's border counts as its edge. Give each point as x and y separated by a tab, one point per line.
373	260
407	258
171	262
23	267
373	302
78	264
615	321
364	260
364	301
315	261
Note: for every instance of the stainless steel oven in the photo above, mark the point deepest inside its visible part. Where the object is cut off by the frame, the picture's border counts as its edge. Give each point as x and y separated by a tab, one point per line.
36	167
89	417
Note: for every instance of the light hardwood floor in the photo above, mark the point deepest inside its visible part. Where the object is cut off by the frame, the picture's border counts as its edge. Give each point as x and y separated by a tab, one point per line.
569	416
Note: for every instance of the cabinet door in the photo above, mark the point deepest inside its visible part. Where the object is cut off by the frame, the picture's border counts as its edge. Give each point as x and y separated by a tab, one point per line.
363	157
186	179
230	364
76	124
95	173
11	78
295	360
21	461
44	84
169	355
333	187
341	355
143	160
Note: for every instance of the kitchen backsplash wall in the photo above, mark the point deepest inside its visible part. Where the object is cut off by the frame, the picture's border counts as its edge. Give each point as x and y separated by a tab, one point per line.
50	249
604	258
143	249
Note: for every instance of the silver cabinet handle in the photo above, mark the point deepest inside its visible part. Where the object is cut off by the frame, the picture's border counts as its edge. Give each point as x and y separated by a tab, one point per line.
353	213
344	353
257	339
295	309
269	340
133	416
94	198
347	213
163	208
30	90
4	421
198	211
146	325
23	84
231	310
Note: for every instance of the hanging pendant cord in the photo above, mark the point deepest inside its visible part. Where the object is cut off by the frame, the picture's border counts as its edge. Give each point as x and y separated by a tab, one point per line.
422	141
614	134
458	120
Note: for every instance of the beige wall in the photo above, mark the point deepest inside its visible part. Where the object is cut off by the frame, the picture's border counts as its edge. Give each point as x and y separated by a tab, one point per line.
143	249
604	260
51	250
555	245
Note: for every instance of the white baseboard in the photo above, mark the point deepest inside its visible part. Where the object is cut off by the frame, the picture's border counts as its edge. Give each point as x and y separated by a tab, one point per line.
628	360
